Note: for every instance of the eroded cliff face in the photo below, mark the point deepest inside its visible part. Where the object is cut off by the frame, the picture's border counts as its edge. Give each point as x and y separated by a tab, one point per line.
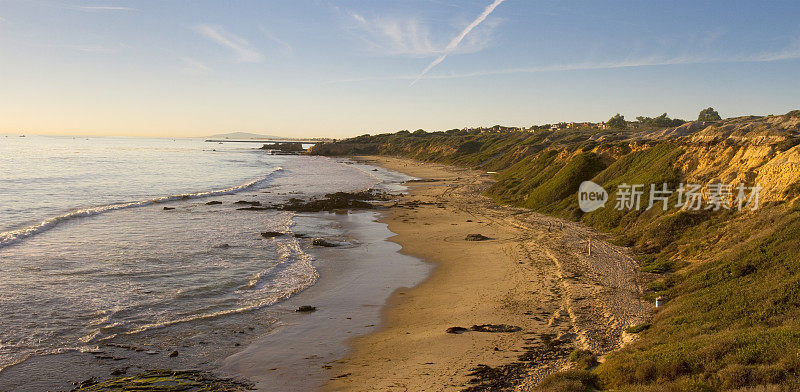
731	278
749	150
744	150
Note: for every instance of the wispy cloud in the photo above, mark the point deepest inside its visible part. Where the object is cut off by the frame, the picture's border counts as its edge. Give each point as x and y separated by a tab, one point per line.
194	67
393	35
284	46
100	49
243	51
103	8
457	40
791	52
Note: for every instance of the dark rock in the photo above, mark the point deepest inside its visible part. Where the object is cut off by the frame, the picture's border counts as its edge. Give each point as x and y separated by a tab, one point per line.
456	330
270	234
323	242
223	246
252	203
119	371
284	148
168	208
173	354
338	200
299	235
87	383
495	328
211	203
306	308
476	237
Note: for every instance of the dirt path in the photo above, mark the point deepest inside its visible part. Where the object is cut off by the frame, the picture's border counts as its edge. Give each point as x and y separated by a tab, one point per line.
534	272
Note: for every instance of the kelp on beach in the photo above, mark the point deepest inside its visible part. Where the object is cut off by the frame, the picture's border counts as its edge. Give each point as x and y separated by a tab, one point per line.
166	381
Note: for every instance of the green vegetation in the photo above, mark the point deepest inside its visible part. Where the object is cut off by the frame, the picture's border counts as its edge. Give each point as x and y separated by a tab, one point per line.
637	328
555	190
661	121
583	359
732	279
166	381
617	122
709	114
733	322
569	381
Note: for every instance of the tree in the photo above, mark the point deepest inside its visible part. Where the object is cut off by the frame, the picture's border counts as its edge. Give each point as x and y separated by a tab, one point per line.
709	114
661	121
617	122
419	132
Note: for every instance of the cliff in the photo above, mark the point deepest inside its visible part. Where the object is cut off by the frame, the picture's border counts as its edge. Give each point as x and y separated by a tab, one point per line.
730	275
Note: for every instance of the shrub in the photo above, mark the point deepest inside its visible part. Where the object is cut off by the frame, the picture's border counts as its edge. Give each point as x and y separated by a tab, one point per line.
569	381
708	114
637	328
617	122
583	359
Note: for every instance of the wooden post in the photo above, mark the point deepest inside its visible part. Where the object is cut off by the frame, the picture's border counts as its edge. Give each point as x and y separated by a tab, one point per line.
590	246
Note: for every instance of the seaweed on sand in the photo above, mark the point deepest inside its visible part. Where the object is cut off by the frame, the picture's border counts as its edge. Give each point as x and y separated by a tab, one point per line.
162	380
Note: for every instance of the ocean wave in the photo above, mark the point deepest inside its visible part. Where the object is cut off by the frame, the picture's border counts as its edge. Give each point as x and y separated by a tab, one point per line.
14	236
10	361
294	273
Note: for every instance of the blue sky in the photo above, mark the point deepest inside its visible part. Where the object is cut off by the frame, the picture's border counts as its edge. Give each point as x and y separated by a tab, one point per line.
343	68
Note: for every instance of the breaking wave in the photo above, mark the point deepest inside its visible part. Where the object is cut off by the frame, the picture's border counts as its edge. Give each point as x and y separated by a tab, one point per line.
14	236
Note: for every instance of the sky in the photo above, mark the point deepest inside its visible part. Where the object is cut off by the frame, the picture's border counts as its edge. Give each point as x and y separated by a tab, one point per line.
327	68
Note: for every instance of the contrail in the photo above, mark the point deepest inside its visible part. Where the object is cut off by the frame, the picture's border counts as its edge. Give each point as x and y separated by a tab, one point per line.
457	40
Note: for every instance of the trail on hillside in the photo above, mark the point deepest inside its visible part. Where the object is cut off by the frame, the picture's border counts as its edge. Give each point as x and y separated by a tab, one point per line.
595	297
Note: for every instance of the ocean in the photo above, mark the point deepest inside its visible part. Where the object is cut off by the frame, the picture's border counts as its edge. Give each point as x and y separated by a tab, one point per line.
110	242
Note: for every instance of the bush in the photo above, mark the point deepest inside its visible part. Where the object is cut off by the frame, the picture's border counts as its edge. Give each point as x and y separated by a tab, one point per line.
708	114
583	359
617	122
637	328
661	121
569	381
469	147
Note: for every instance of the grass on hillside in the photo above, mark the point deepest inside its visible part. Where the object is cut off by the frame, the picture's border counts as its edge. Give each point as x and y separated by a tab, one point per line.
732	279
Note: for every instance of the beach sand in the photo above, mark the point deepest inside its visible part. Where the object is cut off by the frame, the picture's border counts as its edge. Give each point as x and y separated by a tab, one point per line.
533	272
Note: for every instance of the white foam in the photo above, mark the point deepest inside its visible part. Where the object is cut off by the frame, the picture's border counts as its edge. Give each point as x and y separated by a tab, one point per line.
14	236
293	274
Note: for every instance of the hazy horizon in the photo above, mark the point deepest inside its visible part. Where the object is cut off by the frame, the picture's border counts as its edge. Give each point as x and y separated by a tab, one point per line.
343	68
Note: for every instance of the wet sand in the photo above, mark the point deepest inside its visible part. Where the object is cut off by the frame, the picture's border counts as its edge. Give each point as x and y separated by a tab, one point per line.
532	272
355	281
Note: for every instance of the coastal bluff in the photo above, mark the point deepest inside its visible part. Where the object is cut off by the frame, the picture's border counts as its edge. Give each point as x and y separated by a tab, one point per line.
725	277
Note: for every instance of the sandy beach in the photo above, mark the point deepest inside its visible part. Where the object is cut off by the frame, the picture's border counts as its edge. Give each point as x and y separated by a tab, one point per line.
533	274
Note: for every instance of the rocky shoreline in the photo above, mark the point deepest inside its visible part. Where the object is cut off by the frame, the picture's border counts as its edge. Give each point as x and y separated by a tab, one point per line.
177	379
